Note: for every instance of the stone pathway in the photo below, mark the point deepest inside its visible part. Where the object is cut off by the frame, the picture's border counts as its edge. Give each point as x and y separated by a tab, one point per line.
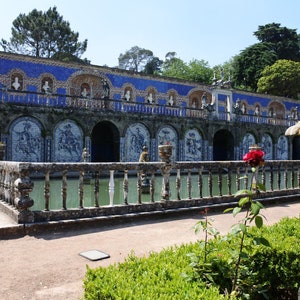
48	266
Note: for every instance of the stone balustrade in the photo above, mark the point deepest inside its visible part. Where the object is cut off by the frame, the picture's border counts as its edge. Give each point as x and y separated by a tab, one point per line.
216	183
26	98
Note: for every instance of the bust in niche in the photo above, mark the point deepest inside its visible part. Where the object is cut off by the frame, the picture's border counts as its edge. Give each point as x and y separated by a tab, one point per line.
150	98
127	95
257	111
171	100
84	92
46	87
16	84
243	109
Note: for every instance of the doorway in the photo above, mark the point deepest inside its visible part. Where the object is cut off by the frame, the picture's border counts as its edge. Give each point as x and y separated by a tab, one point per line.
105	143
223	146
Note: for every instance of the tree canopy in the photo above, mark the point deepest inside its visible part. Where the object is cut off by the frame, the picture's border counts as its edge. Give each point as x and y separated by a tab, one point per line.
195	70
44	34
135	59
281	79
247	66
282	40
276	42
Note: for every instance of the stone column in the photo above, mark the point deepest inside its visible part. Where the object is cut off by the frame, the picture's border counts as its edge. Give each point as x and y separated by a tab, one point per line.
23	187
165	153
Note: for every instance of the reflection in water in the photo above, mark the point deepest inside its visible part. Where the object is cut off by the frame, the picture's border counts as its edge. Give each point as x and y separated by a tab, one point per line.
88	190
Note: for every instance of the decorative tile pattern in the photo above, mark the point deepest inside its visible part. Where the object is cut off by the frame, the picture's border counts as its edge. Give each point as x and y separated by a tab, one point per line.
26	139
68	142
192	145
136	136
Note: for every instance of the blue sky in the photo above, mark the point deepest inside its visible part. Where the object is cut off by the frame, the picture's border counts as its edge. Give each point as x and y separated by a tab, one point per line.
213	31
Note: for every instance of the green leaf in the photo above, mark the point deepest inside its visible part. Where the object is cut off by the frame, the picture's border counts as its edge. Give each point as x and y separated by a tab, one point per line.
243	228
255	208
259	221
228	210
264	242
243	201
236	210
243	192
259	204
261	187
261	241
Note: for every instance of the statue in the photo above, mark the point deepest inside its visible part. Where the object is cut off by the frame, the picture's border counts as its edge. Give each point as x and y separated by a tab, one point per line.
16	85
46	87
150	98
127	95
106	89
144	157
171	101
85	155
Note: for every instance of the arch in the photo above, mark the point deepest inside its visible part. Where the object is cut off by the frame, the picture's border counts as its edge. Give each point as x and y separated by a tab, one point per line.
199	98
136	136
68	142
17	81
192	145
151	95
26	141
129	92
94	81
276	109
223	145
172	97
105	143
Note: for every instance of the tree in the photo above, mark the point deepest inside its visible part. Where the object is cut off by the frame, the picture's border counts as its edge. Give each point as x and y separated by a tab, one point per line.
199	71
44	34
195	70
281	79
247	66
175	68
135	59
153	66
276	42
282	40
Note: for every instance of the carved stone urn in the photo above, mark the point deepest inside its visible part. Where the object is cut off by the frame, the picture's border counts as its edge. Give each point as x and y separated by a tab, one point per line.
165	152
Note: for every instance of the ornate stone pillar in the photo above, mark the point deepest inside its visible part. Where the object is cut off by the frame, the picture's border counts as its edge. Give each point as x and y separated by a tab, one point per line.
165	153
24	186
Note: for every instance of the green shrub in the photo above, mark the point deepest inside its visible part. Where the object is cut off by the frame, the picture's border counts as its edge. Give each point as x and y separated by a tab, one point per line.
159	277
179	272
266	272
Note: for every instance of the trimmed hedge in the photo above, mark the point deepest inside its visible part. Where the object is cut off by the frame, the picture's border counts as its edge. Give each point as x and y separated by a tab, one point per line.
171	274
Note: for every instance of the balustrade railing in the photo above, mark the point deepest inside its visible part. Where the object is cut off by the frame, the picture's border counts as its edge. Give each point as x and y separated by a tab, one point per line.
99	104
170	185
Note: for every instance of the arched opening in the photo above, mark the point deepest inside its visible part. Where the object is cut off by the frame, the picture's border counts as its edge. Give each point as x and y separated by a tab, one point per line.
296	148
105	143
223	145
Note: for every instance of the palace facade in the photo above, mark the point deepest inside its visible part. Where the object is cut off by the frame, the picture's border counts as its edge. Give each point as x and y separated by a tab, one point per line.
50	111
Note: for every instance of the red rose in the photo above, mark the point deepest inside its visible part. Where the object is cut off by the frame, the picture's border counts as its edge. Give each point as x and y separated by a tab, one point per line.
254	158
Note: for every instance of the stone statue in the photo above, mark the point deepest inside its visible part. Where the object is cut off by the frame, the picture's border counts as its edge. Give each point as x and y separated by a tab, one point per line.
127	95
85	155
16	85
106	89
144	157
